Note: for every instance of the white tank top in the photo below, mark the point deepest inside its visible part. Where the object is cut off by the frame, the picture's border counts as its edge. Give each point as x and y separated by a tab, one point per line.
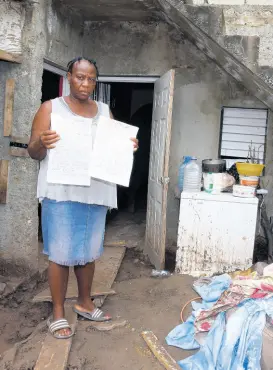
99	192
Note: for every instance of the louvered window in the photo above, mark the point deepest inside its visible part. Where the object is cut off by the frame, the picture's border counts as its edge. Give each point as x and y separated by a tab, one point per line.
242	127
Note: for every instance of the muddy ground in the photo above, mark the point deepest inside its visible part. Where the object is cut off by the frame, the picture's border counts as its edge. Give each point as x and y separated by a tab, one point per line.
144	302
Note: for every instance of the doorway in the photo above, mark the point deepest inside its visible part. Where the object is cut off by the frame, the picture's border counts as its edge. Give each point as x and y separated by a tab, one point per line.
151	206
51	85
132	103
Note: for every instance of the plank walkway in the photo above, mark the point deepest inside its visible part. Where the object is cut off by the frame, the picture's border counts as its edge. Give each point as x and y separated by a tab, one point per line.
55	352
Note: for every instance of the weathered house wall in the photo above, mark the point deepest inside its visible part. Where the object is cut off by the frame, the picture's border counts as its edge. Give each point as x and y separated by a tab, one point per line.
46	33
64	35
200	93
120	48
136	48
201	89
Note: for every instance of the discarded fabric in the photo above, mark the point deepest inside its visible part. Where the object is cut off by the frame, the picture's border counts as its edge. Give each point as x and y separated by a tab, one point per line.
234	314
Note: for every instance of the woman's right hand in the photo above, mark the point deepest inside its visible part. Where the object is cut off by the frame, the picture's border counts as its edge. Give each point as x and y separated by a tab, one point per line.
49	138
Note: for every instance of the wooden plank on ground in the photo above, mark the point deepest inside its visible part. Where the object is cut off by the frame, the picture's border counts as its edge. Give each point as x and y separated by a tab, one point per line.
55	352
118	243
4	170
8	110
10	57
159	351
106	270
45	295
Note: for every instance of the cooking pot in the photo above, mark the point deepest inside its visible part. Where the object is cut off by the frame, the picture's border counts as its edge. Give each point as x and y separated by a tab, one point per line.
214	166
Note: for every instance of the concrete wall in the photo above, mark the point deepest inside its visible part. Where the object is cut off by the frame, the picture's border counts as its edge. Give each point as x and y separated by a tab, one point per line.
201	89
60	39
11	24
65	30
200	93
135	48
124	48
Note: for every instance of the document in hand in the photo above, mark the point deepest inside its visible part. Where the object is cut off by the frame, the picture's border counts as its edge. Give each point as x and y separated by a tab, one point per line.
113	155
69	162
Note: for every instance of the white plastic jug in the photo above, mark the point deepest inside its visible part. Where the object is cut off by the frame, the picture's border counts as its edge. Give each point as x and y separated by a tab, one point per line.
192	177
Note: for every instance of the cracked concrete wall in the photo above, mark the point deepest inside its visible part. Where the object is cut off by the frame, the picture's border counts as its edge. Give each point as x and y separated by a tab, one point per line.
65	31
11	24
55	34
136	48
242	27
18	218
228	2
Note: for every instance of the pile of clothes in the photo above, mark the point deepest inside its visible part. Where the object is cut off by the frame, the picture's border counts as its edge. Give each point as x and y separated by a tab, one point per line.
227	326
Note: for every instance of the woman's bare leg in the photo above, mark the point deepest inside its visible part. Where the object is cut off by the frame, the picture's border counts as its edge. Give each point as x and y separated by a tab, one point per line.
85	275
58	279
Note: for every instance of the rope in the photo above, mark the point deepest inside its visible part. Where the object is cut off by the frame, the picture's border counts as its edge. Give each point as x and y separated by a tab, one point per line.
184	307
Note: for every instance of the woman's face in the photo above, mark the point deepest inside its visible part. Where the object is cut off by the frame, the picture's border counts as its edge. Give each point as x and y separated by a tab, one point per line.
82	80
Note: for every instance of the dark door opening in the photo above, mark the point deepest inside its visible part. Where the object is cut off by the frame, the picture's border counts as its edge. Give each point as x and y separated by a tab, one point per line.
51	86
133	103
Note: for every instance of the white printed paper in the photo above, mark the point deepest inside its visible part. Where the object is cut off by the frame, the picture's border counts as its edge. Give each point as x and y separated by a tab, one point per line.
112	157
69	162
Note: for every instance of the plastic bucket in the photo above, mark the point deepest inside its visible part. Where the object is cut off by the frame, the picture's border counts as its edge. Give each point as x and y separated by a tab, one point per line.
252	181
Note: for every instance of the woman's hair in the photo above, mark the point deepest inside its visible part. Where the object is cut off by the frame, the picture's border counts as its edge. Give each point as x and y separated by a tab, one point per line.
70	64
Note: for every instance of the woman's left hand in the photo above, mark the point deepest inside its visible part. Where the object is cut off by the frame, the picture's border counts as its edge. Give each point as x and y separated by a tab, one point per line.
135	141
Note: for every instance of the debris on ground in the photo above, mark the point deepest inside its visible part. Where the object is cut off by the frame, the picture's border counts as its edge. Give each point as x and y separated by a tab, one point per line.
160	274
227	326
159	351
106	326
138	300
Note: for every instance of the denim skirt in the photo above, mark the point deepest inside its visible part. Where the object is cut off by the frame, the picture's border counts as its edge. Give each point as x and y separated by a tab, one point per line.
73	233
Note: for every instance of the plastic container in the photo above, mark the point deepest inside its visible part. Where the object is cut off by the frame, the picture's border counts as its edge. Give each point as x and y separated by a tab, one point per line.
215	183
249	169
214	165
186	160
192	177
243	191
252	181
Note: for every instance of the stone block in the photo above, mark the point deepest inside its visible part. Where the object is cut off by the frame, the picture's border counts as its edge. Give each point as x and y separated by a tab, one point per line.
195	2
259	2
245	48
209	19
2	287
226	2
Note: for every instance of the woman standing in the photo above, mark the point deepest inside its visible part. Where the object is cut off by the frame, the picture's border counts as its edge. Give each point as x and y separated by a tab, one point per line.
73	217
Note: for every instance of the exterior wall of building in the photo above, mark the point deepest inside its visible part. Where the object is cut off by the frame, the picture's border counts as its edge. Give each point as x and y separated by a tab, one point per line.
48	33
199	96
136	48
123	48
201	89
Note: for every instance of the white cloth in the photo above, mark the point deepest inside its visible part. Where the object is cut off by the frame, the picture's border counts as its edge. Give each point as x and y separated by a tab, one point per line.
99	192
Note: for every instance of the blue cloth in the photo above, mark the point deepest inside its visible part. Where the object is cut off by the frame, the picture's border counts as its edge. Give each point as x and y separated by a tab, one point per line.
233	344
73	233
183	335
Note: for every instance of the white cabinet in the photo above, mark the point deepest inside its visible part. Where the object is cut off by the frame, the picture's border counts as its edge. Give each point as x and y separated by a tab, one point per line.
216	233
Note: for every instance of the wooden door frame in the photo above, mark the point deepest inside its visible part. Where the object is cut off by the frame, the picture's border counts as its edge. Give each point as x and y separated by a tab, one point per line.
58	70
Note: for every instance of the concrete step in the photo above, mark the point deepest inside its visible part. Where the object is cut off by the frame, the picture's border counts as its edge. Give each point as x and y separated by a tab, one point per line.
228	2
244	30
255	22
